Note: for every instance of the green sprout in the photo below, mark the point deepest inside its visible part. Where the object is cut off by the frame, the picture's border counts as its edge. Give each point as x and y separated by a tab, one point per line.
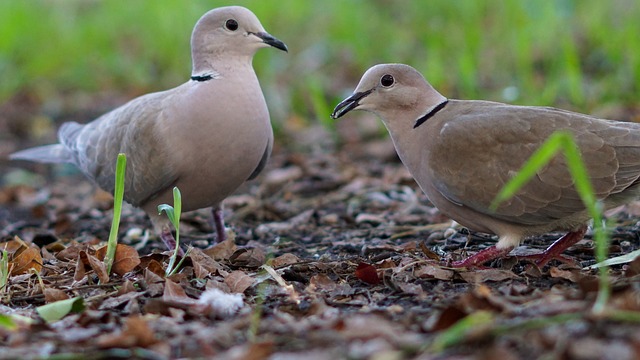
118	195
173	213
4	271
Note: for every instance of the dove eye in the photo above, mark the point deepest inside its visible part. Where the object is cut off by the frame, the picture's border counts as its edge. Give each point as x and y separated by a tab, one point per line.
231	24
387	80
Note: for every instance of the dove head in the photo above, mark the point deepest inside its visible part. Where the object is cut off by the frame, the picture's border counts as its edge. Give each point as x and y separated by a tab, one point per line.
228	32
393	92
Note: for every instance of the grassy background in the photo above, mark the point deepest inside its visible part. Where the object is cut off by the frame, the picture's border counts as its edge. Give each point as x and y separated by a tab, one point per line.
582	55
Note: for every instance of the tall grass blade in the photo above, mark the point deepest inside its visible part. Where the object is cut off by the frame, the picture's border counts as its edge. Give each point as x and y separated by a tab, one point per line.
118	196
563	141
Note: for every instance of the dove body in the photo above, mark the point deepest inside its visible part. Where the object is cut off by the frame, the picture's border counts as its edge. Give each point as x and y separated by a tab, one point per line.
206	136
463	152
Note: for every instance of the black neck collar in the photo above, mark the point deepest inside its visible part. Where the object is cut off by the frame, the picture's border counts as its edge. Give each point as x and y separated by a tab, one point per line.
201	78
428	115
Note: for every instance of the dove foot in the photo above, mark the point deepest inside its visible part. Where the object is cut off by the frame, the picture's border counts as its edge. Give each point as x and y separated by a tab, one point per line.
555	250
475	261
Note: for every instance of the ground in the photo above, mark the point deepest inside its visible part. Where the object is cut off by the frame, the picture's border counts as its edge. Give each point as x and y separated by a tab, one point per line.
336	254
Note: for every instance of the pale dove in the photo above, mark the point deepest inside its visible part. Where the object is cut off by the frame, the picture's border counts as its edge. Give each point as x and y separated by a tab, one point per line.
462	153
206	136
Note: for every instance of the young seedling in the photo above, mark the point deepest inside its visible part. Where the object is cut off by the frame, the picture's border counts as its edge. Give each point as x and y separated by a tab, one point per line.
118	195
563	141
4	271
173	213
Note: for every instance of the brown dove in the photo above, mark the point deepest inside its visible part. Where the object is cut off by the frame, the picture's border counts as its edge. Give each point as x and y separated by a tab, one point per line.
462	152
206	136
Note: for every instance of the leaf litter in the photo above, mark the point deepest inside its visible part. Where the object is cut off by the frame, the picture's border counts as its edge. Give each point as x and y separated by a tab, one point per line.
330	255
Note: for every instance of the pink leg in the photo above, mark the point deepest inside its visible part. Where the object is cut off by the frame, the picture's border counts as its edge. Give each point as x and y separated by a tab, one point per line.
218	221
555	250
475	261
168	240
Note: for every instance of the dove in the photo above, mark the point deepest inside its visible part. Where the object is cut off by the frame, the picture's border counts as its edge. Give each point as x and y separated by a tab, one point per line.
462	153
206	136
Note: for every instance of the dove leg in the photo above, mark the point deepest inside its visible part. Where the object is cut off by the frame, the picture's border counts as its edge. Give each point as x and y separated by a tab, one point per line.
481	257
555	250
218	221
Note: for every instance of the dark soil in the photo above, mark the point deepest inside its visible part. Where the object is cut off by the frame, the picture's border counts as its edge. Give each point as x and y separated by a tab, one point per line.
354	254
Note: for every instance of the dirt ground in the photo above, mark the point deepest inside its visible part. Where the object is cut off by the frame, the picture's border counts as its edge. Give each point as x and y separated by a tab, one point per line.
335	252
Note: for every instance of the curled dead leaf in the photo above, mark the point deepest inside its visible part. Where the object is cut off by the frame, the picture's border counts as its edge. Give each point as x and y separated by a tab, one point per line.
126	258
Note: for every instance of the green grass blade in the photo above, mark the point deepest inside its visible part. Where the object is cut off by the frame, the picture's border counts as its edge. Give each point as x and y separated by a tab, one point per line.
117	211
563	141
536	162
460	331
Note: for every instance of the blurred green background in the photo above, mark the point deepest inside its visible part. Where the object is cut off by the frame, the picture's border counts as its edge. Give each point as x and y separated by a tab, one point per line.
582	55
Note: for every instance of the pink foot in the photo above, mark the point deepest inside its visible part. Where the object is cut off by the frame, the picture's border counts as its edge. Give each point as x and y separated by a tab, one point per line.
475	261
555	250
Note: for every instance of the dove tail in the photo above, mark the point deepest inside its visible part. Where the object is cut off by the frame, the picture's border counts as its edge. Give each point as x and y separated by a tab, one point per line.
55	153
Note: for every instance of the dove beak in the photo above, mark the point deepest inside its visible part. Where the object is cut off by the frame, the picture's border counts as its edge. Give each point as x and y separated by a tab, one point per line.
272	41
349	104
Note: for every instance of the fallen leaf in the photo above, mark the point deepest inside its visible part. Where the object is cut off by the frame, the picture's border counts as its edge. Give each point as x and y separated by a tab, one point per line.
321	282
126	258
238	281
97	266
173	291
247	257
481	276
432	271
27	260
205	261
136	333
59	309
222	250
367	273
284	260
53	295
571	275
126	287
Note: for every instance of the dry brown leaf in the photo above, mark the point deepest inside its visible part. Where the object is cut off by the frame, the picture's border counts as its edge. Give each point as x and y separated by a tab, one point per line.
136	333
428	270
126	258
53	295
284	260
126	287
97	266
79	272
222	250
481	276
13	247
173	291
199	271
321	282
571	275
25	261
121	301
72	252
248	257
204	260
238	281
